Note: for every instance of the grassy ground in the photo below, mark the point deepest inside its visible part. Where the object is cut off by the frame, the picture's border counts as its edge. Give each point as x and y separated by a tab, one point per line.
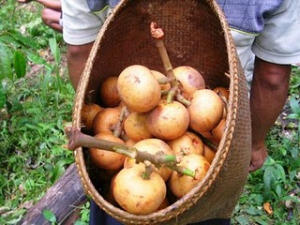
34	107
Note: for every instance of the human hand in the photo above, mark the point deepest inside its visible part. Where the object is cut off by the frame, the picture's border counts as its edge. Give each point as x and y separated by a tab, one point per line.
258	157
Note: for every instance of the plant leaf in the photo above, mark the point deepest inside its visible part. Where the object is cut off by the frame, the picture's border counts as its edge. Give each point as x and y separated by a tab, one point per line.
268	177
55	50
2	97
36	59
29	42
260	221
20	62
295	106
5	62
242	220
49	215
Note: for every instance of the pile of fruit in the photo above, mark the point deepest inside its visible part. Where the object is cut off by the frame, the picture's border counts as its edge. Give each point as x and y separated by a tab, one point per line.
165	116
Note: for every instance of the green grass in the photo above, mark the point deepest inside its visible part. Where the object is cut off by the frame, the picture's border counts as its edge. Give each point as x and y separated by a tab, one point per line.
34	108
279	176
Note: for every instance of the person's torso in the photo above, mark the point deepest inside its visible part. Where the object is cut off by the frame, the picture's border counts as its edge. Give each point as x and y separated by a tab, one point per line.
244	15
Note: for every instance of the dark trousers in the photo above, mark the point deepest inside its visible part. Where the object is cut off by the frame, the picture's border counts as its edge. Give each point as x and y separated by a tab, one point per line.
99	217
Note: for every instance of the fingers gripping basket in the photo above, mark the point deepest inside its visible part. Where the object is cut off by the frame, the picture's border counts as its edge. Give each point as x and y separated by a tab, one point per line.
196	34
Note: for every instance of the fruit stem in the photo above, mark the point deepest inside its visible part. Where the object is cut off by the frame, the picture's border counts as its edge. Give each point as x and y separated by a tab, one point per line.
171	94
184	171
158	35
188	172
148	170
77	139
118	127
131	154
183	100
169	158
165	80
164	92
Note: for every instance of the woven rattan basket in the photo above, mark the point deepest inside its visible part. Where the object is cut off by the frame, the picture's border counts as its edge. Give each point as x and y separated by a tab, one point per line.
196	34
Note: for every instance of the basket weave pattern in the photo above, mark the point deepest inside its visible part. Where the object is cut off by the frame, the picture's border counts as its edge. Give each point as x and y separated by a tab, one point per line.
196	35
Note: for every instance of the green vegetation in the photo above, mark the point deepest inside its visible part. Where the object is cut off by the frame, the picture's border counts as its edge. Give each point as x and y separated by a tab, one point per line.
36	100
33	109
278	182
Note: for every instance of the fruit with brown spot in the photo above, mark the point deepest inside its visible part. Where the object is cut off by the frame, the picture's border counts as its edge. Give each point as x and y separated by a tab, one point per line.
182	184
187	144
135	127
190	80
168	121
138	89
136	194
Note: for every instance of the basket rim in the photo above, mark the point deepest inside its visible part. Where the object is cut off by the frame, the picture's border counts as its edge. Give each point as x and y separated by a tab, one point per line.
197	192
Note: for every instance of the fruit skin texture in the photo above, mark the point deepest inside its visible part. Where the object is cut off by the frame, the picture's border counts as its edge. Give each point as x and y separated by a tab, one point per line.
106	159
138	195
215	135
206	110
218	131
186	144
208	153
130	143
109	92
106	120
88	114
221	91
182	184
190	80
135	127
152	146
138	89
168	121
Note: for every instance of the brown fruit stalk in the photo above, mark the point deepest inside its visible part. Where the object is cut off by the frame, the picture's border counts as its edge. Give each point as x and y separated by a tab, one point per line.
78	139
152	146
106	159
